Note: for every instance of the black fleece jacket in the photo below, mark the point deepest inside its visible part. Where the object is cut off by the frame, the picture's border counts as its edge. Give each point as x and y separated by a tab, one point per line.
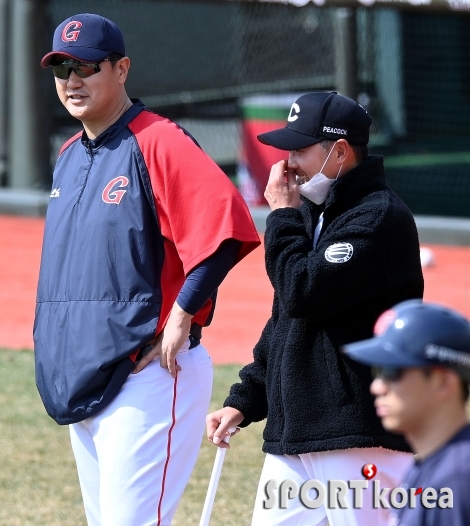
314	397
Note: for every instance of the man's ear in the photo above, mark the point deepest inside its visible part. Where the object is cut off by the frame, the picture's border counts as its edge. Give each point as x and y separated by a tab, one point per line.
342	151
447	382
123	66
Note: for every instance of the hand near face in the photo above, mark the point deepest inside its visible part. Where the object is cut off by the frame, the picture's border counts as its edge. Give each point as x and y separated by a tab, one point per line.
282	190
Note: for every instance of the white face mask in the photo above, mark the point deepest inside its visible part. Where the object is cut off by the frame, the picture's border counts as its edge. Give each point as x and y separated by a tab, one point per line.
317	187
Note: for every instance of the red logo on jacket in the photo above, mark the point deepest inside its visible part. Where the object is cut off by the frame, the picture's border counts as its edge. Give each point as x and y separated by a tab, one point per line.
71	36
112	193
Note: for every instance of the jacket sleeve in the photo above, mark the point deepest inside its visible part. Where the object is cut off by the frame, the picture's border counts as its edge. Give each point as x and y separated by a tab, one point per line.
198	206
310	286
249	396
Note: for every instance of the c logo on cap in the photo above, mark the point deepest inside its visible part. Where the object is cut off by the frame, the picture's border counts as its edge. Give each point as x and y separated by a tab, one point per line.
73	35
294	108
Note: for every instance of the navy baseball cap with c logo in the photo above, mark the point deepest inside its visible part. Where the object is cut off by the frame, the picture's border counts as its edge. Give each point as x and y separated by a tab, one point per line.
320	116
86	37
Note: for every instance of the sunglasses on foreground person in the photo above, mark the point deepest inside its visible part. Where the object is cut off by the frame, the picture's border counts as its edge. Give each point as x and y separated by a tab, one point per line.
420	359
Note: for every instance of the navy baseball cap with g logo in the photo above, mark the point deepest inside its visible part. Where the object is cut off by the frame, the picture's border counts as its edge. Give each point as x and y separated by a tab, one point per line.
320	116
86	37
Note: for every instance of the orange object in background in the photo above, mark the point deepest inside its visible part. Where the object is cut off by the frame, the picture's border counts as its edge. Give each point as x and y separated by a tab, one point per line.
20	254
244	300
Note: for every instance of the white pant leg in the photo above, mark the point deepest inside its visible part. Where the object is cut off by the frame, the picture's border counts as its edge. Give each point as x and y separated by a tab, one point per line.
347	465
88	471
280	468
146	443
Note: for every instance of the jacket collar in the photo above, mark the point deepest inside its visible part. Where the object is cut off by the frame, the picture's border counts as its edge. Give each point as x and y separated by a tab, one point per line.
115	129
358	182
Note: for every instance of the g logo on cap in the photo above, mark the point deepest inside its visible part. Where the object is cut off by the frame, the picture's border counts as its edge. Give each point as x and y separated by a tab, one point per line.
295	107
73	35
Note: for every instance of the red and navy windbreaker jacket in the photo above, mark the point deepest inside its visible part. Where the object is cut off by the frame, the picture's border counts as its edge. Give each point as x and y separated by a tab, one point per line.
131	213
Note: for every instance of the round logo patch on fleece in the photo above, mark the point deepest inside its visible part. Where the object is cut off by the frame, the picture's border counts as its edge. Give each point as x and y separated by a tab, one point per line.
339	253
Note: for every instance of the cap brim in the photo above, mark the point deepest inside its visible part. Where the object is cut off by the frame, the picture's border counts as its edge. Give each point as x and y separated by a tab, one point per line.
380	353
86	55
47	59
287	139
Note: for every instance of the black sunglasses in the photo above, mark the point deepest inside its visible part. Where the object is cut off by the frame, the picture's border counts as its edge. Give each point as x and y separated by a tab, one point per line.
388	374
82	69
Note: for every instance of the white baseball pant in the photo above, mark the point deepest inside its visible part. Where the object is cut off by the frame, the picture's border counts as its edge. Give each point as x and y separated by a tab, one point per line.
135	457
343	464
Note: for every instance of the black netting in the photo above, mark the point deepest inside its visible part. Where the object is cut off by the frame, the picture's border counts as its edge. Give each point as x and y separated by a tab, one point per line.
196	51
198	61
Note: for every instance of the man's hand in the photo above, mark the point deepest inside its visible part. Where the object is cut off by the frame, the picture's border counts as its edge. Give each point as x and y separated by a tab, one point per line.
282	190
169	341
174	335
219	422
154	351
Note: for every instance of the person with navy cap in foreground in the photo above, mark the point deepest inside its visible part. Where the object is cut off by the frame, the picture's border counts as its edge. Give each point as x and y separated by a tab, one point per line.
341	248
130	267
420	359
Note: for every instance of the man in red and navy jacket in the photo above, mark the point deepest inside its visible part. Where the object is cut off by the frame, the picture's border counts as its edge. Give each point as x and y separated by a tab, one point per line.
141	229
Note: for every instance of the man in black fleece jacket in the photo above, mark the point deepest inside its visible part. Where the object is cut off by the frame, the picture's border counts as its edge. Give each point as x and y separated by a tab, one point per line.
337	258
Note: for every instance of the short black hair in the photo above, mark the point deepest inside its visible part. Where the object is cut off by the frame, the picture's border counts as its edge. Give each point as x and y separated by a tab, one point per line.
113	58
361	151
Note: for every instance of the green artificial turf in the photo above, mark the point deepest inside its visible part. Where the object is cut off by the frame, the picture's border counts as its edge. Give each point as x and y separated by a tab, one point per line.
38	479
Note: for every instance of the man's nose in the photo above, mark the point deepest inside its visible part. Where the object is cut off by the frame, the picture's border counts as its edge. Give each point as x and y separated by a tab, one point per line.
292	161
378	387
74	80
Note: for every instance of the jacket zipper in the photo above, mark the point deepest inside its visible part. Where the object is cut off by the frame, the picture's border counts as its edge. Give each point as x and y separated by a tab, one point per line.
89	152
